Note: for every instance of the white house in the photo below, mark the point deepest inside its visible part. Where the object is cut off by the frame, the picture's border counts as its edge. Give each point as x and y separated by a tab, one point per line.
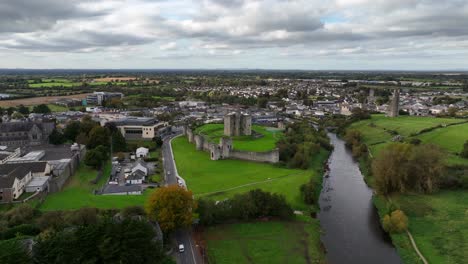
142	152
140	166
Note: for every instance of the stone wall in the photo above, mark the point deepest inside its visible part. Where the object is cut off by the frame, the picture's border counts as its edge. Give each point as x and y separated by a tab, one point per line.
224	149
269	156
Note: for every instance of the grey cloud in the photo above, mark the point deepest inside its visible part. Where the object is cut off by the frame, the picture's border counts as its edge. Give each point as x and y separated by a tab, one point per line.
33	15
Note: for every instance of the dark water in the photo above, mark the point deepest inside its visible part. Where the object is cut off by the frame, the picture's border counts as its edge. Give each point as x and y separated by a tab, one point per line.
349	220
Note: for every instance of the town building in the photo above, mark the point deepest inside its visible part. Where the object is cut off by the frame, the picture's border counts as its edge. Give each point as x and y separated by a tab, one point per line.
145	128
98	98
25	133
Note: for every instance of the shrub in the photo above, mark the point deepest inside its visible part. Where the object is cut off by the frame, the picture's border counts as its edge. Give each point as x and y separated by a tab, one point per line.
396	222
251	205
20	230
310	192
21	214
464	152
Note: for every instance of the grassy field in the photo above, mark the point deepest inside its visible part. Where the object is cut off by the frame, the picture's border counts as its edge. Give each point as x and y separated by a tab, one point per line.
257	242
264	242
437	221
53	108
247	143
205	177
78	193
377	133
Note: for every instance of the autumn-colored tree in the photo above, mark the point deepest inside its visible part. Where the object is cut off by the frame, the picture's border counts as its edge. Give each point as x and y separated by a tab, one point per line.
396	222
171	206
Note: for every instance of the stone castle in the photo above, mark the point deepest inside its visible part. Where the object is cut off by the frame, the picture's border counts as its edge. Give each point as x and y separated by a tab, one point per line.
395	104
237	124
224	149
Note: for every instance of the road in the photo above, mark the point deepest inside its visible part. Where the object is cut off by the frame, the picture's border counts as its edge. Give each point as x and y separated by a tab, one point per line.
191	254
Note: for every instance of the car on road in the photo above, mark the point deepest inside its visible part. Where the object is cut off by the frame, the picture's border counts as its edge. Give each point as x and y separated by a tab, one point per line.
181	248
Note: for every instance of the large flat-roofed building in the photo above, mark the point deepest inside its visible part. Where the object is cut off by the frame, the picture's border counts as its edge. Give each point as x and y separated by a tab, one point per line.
98	98
140	127
27	133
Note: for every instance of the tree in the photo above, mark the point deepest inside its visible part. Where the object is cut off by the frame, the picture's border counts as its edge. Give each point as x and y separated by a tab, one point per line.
17	115
87	124
96	157
171	206
20	214
72	130
98	136
396	222
23	110
464	152
158	140
12	251
56	138
118	142
41	109
404	167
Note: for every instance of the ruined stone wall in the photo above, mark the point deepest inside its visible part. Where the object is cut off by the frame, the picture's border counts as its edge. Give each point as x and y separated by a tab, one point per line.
190	135
199	142
269	156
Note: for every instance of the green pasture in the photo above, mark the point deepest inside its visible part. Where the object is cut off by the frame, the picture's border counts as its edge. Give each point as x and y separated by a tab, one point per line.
264	242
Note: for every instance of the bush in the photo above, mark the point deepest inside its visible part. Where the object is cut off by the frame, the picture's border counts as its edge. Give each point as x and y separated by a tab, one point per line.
251	205
464	152
310	192
396	222
21	214
20	230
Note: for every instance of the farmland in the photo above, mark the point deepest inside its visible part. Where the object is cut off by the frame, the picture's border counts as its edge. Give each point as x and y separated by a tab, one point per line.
437	221
448	133
39	100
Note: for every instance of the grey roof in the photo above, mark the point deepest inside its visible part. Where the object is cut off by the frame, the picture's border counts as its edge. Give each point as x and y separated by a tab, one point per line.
121	189
137	175
34	167
132	121
18	126
7	179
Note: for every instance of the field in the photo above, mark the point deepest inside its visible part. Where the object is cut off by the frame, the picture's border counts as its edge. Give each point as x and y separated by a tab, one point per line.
77	193
247	143
39	100
264	242
377	132
60	82
53	108
256	242
437	221
224	178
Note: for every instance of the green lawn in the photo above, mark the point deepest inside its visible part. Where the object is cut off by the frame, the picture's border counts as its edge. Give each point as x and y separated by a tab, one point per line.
78	193
204	176
247	143
264	242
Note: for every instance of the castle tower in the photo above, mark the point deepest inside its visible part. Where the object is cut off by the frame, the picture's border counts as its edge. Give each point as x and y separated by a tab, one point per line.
395	104
237	124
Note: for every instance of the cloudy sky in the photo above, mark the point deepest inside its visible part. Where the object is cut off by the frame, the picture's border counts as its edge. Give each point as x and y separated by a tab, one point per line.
209	34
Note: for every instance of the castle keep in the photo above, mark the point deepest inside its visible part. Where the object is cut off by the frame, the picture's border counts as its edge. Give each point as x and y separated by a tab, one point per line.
237	124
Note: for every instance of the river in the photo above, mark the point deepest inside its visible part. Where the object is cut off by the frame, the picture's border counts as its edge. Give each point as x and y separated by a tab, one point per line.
348	218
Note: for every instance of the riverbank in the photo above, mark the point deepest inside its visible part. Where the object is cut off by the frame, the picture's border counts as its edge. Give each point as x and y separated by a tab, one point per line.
436	221
350	223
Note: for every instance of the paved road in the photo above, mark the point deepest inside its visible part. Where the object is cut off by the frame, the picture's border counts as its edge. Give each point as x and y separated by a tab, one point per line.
191	254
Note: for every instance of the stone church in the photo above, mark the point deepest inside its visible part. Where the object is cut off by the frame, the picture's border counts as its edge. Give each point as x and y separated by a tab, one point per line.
27	133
